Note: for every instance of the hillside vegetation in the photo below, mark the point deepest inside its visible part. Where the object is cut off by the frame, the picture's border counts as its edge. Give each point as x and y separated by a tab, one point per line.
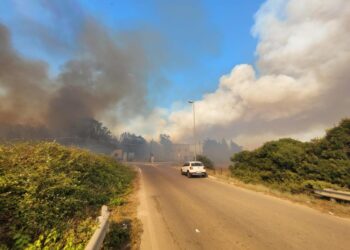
294	166
50	195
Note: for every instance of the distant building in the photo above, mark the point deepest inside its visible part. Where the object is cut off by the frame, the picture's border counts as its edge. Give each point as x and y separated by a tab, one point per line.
121	155
185	152
181	152
128	156
198	149
117	154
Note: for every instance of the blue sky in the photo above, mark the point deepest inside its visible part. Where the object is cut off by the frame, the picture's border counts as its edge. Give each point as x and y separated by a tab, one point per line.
204	39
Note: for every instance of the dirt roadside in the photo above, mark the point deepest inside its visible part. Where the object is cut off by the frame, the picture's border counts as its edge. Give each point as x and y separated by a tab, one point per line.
323	205
125	228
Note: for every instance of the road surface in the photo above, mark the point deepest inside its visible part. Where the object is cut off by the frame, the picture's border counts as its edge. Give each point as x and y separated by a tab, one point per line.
202	213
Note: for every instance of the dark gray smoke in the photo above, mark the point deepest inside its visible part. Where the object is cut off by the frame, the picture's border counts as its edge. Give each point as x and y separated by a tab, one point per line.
23	94
102	77
106	73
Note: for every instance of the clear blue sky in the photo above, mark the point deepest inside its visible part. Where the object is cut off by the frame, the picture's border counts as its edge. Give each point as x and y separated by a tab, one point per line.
205	38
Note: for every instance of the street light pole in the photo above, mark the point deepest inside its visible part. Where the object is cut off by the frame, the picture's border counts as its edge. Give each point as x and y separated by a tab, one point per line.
194	129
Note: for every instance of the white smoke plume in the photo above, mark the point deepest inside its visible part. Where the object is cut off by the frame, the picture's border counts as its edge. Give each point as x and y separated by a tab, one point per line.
299	86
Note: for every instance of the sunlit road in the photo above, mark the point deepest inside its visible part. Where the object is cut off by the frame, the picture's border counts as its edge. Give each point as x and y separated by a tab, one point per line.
182	213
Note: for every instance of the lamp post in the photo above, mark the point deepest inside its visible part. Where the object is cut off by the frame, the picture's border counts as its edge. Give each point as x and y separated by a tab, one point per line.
151	153
194	129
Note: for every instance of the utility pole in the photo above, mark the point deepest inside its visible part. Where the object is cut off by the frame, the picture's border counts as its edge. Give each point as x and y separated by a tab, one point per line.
194	129
151	154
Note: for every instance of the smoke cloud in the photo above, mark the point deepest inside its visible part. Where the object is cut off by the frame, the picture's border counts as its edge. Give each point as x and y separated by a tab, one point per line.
298	87
22	85
300	84
103	75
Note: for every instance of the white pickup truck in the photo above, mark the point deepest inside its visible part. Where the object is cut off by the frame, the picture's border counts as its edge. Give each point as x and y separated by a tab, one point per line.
193	168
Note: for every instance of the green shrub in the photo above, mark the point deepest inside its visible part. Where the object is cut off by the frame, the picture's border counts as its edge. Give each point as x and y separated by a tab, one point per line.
206	161
49	193
296	167
119	235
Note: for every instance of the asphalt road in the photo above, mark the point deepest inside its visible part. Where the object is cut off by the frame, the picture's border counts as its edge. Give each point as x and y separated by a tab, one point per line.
202	213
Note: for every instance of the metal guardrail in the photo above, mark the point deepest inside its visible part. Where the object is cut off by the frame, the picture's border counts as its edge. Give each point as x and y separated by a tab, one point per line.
97	238
333	194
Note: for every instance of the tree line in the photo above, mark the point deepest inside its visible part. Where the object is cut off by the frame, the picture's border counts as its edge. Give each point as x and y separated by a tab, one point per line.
94	135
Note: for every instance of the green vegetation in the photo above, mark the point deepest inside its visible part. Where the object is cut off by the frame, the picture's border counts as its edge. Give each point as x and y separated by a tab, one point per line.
206	161
294	166
50	195
119	235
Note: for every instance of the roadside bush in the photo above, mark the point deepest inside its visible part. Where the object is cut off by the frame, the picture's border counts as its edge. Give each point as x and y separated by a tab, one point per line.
119	235
50	193
293	166
206	161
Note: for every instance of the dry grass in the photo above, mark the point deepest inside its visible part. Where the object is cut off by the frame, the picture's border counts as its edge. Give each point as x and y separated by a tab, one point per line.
124	217
323	205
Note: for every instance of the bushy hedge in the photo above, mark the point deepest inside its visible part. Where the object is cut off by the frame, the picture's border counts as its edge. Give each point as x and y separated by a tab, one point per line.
294	166
206	161
50	195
